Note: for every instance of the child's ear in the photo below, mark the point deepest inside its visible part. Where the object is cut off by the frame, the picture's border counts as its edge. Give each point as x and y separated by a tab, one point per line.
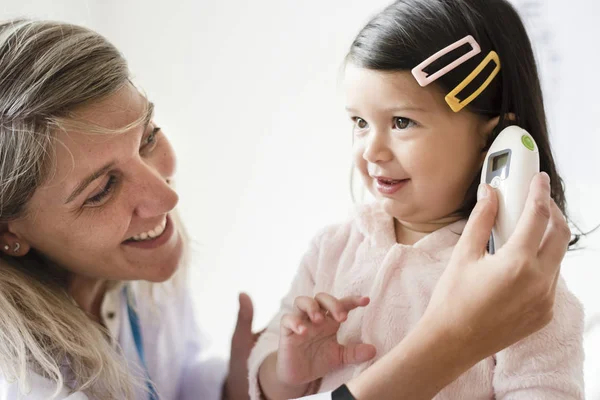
491	124
487	131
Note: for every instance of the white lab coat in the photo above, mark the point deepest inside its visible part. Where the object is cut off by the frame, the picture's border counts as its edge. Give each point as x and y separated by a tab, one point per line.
174	351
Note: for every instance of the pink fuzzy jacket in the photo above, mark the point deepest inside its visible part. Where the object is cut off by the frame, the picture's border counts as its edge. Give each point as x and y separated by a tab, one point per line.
361	257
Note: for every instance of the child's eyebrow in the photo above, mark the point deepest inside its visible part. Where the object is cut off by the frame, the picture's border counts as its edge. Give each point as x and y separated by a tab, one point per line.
405	108
395	108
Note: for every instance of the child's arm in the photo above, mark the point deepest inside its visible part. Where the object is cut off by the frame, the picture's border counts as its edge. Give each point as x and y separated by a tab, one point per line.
308	347
263	357
268	343
549	364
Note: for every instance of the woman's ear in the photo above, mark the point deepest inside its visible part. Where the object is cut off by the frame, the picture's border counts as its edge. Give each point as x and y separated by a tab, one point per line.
11	244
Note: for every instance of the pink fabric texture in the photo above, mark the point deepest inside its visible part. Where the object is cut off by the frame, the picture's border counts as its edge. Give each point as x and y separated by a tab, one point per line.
361	257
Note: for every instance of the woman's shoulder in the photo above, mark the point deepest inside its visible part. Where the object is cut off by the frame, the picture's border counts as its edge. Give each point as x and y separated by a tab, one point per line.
35	387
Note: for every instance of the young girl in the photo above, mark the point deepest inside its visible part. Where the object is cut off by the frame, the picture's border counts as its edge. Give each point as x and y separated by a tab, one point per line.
429	85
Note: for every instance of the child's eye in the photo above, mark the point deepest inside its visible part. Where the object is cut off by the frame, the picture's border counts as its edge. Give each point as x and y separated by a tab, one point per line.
401	123
360	123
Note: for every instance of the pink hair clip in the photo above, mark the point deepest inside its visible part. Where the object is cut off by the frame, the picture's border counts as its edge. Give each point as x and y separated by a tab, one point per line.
425	80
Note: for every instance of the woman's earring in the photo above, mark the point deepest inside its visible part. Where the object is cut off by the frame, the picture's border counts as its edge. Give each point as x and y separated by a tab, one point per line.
6	247
17	247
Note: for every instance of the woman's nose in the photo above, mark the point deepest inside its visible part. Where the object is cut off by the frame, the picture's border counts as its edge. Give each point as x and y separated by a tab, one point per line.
154	196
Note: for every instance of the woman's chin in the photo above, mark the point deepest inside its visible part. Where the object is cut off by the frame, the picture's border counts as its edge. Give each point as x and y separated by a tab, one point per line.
164	268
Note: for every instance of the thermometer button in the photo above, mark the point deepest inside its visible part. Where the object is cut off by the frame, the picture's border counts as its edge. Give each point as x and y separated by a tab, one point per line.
495	182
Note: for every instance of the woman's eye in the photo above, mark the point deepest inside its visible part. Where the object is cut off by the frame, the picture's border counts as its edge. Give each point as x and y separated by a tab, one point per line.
106	190
150	140
360	123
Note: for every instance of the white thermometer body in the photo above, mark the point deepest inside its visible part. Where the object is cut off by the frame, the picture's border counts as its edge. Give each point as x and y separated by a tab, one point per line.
510	164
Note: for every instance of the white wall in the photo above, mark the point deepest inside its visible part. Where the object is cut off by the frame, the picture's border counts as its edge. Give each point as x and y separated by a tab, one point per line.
248	93
75	11
563	38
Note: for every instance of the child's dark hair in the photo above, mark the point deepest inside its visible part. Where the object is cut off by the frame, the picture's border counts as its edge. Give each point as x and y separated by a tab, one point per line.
409	31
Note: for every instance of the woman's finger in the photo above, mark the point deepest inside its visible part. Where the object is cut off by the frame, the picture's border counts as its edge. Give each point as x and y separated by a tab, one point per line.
556	240
475	236
532	224
243	326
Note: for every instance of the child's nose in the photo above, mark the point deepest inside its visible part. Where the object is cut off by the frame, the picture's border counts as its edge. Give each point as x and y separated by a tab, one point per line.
377	149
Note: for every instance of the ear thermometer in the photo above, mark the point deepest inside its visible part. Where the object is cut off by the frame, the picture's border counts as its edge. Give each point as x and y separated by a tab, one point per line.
510	164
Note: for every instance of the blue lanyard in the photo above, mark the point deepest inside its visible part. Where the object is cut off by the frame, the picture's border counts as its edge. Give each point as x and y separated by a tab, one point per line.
134	321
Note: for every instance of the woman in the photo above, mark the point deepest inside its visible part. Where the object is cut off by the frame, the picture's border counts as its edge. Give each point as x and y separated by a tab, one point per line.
92	272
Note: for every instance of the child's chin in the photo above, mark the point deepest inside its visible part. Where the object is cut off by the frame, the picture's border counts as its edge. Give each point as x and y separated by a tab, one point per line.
394	208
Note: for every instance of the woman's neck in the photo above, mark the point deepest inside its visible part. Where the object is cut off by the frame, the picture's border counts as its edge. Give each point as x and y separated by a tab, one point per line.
88	293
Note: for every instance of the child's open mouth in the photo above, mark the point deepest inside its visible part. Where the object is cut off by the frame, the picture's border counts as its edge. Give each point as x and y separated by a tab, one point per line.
388	185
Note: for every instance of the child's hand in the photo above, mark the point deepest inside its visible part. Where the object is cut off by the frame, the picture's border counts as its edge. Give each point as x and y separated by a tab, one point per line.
308	346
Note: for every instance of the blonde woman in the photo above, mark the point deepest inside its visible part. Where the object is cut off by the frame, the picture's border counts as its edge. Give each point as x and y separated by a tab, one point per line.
93	303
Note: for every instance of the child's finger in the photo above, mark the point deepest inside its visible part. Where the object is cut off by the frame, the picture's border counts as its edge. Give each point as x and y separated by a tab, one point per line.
292	323
339	308
309	306
357	353
333	306
351	302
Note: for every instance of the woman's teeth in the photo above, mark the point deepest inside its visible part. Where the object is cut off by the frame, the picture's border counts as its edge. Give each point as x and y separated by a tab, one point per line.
151	234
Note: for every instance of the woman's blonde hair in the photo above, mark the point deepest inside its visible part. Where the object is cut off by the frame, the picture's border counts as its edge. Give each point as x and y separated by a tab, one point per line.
48	69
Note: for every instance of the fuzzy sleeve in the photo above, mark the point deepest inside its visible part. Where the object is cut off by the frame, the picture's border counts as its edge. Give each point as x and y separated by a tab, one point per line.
548	365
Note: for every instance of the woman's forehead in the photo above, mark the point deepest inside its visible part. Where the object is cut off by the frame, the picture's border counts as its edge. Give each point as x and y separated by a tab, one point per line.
78	153
114	112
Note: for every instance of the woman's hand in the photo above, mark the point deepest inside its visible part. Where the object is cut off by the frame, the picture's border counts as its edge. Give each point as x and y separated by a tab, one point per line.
242	342
482	303
492	301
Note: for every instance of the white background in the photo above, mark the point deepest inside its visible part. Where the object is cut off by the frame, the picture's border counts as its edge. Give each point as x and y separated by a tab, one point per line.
249	94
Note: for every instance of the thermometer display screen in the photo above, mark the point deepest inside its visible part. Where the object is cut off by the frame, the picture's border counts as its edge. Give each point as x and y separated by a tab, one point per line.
499	162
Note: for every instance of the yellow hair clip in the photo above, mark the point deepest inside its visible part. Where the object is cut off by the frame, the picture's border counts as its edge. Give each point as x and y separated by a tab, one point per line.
455	104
